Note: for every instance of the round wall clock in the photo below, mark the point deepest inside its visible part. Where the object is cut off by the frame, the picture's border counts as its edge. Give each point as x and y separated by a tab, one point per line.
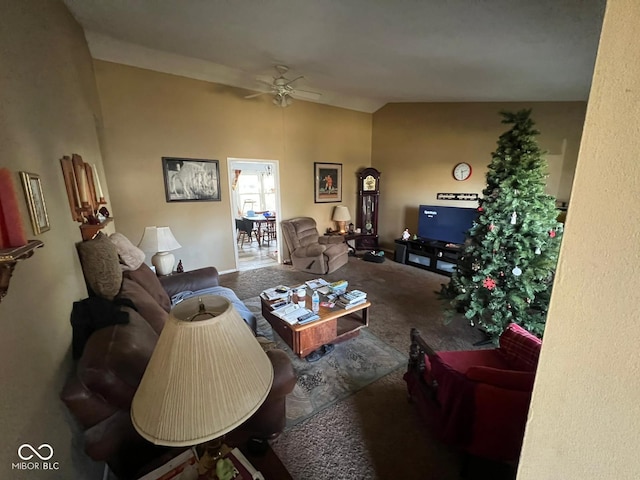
462	171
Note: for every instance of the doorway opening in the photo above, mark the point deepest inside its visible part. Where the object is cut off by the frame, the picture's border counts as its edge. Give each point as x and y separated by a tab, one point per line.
255	207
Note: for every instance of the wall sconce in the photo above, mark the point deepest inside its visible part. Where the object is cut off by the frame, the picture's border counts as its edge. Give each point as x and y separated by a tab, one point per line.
84	189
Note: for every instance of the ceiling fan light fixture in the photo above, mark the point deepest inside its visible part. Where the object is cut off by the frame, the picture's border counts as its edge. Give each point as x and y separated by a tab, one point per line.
282	100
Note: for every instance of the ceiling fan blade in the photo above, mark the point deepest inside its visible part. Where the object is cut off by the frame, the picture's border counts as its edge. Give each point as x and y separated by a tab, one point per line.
289	82
306	95
265	80
255	95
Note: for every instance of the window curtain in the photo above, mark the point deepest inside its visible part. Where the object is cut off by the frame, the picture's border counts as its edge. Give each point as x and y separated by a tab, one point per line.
235	194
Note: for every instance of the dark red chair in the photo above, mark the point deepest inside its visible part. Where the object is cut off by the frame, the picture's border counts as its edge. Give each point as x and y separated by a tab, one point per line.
477	400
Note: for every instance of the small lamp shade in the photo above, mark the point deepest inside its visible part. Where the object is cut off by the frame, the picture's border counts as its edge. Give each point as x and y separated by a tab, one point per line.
161	241
341	216
206	376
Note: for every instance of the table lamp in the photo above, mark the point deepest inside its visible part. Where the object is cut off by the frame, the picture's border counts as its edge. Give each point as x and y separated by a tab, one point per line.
341	216
161	241
206	376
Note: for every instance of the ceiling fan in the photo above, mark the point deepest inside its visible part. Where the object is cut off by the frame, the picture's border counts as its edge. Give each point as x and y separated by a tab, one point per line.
283	90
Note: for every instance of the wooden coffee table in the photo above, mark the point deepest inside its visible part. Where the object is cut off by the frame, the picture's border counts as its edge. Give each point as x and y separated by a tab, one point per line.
334	325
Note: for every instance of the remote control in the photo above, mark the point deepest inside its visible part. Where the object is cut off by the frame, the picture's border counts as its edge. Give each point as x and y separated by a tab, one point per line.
306	316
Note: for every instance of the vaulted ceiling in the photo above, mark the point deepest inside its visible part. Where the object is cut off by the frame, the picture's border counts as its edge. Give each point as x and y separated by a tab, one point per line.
360	54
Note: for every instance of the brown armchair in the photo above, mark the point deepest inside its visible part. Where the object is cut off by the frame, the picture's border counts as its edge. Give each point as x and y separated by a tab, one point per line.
311	252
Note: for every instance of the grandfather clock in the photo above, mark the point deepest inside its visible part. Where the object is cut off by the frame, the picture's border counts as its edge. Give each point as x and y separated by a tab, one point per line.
368	197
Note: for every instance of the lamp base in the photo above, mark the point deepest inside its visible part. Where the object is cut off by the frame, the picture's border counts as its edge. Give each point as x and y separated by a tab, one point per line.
164	262
342	226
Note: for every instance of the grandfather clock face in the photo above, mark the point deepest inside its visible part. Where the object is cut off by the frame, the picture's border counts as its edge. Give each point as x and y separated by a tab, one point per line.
369	183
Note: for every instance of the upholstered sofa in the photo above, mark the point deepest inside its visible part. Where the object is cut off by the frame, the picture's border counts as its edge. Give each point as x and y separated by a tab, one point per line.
310	252
114	333
476	400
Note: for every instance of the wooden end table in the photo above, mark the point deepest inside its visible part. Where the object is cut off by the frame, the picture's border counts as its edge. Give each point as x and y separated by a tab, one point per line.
335	325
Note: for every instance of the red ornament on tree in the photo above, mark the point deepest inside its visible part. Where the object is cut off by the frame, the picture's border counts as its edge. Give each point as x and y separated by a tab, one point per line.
552	233
491	227
480	209
489	283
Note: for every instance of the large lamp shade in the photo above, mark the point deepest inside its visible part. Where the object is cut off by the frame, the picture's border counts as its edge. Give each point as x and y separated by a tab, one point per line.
206	376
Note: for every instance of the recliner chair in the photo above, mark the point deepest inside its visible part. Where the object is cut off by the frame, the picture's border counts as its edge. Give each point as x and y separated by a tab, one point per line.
311	252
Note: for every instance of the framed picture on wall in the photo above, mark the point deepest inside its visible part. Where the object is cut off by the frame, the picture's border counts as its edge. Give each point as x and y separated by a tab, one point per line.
328	182
35	202
191	179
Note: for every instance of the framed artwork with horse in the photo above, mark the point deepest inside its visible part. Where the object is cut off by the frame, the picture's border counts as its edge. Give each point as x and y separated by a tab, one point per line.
191	179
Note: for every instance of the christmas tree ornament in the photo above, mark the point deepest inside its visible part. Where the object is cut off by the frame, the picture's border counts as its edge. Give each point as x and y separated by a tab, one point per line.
552	233
514	218
516	271
489	283
475	266
538	251
491	227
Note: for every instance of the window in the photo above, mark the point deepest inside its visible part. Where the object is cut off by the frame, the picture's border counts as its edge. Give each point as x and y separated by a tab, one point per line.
256	191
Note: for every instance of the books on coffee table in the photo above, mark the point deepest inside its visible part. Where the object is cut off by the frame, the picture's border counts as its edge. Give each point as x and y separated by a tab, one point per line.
351	299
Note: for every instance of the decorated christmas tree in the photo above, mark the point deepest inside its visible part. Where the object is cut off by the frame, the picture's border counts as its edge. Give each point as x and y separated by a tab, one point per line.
506	269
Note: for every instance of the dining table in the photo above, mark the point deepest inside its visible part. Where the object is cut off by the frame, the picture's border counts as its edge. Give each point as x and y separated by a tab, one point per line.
261	222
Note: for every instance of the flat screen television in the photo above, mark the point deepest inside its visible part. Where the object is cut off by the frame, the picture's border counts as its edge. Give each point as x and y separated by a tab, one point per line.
445	224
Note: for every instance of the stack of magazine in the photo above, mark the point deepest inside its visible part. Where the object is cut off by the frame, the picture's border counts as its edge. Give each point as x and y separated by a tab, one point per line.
351	299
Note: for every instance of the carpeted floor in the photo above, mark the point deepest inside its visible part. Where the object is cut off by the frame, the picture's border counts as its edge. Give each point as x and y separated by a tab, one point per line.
374	433
352	365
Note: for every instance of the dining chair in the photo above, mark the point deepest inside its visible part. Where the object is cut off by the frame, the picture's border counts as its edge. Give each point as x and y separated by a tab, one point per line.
245	231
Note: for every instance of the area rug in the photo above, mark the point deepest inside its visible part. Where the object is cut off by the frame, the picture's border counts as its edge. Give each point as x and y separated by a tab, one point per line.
352	365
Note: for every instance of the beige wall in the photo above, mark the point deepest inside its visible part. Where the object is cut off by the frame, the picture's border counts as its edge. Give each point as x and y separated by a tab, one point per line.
48	102
416	146
584	421
148	115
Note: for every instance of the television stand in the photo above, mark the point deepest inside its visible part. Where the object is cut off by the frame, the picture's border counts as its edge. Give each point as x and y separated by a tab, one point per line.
433	255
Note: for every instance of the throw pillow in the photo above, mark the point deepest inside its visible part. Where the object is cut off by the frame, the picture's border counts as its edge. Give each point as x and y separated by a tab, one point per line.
520	348
131	257
148	280
101	266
